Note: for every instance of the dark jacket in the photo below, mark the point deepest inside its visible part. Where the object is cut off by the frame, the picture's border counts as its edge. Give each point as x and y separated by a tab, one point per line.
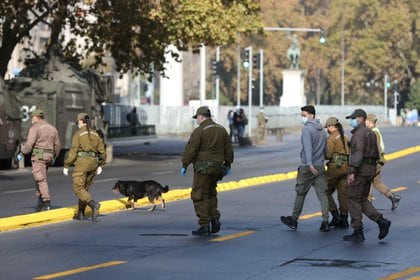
357	164
208	142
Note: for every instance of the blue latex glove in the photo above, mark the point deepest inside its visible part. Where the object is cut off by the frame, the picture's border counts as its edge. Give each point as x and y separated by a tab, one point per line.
19	157
227	171
183	171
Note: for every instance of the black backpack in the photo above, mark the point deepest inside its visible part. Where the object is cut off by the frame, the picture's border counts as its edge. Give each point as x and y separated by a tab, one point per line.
371	146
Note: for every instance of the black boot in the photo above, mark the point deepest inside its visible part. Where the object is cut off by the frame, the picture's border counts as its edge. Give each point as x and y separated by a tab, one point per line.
384	225
80	215
95	209
356	236
336	220
46	205
39	204
344	221
395	200
202	231
324	226
215	225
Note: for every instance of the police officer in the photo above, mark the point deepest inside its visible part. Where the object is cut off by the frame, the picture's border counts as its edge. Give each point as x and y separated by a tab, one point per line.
88	154
44	145
210	151
337	167
361	172
262	123
377	182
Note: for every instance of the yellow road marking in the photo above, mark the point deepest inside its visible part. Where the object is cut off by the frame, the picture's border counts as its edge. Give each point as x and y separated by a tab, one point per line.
232	236
309	216
401	274
401	188
78	270
414	278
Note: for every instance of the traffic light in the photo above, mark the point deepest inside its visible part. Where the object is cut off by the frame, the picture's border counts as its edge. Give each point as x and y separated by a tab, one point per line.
256	61
245	59
322	39
215	67
387	82
395	86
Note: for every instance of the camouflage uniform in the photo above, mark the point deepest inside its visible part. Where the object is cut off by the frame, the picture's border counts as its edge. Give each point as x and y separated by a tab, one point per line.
44	145
209	149
87	154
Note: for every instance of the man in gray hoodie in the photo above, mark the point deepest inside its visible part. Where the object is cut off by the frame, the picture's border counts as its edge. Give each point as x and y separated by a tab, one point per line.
311	171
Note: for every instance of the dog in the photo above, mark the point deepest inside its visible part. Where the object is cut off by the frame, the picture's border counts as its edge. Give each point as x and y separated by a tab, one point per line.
135	190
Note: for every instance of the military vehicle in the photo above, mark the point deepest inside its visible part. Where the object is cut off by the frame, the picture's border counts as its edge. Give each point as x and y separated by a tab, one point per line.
63	91
10	125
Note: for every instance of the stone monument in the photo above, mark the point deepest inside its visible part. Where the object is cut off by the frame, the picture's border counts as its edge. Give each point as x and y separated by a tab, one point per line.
293	82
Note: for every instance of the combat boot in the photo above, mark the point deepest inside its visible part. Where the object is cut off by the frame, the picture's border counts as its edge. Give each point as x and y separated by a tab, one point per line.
356	236
80	215
395	200
39	205
336	220
202	231
289	221
95	209
324	226
215	225
46	205
384	225
344	221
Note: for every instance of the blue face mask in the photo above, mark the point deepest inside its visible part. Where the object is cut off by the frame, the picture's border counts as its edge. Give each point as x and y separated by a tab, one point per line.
304	120
353	123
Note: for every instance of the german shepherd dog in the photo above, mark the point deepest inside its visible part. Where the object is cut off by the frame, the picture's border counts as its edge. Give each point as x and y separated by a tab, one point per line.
135	190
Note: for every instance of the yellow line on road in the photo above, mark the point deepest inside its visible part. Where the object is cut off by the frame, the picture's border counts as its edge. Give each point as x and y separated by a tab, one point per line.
401	188
414	278
309	216
78	270
402	274
232	236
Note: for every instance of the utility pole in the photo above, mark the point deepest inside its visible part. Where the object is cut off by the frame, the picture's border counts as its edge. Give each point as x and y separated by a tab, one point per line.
386	96
261	67
216	113
249	49
238	87
202	74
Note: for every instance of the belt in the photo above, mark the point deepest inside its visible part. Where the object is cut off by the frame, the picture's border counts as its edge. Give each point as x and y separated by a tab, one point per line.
86	154
42	150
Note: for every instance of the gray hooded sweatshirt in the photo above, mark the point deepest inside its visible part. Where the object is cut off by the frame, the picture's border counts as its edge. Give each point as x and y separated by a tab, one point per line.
314	143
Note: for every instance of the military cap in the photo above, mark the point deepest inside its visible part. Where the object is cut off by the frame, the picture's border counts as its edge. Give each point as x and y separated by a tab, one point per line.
309	109
37	112
331	121
372	118
357	113
203	110
82	116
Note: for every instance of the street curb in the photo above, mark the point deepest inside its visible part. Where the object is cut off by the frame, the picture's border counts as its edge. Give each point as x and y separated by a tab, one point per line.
110	206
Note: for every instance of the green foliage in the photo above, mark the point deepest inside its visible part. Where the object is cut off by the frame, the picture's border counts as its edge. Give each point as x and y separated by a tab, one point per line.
135	33
414	96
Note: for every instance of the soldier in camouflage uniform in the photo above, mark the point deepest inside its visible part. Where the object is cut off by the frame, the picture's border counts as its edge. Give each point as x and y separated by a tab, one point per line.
88	154
338	151
210	151
44	145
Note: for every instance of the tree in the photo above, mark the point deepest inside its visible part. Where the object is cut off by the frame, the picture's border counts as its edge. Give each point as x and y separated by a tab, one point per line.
135	33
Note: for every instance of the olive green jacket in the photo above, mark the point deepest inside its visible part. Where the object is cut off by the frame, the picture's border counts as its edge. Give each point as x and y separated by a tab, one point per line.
87	151
209	142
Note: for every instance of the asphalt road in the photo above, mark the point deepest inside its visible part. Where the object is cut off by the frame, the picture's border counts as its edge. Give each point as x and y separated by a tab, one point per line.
252	244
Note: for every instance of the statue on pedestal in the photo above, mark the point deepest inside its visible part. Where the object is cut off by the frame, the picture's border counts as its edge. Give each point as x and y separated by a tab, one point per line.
293	53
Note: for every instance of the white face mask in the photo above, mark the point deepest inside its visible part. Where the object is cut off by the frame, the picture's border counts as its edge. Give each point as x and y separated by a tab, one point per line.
304	120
